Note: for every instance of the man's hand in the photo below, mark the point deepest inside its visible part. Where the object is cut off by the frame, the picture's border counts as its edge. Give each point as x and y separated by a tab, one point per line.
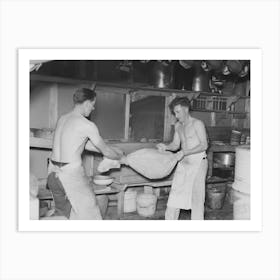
117	150
180	155
161	147
123	160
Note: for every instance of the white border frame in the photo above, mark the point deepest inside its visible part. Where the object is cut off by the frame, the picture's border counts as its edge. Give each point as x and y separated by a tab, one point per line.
25	55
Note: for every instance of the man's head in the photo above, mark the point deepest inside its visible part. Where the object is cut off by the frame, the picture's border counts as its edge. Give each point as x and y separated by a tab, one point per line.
85	98
180	107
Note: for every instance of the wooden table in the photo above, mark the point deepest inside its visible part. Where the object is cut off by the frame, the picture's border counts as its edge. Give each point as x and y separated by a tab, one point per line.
155	184
120	188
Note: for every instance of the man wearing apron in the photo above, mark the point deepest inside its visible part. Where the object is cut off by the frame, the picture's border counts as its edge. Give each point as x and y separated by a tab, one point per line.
73	194
188	186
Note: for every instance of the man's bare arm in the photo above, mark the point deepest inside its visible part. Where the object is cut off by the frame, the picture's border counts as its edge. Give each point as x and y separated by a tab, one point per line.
98	142
90	147
201	134
174	145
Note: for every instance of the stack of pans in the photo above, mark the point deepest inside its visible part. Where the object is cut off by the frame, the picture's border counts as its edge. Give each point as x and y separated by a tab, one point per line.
235	137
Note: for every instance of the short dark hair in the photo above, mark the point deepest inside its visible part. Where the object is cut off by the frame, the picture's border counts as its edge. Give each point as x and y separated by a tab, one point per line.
183	101
83	94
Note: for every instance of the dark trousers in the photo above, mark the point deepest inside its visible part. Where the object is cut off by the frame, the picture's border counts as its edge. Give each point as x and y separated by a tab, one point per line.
61	202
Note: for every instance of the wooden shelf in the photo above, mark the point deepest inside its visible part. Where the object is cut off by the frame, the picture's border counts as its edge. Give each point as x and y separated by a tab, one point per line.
40	143
163	91
127	147
219	111
128	87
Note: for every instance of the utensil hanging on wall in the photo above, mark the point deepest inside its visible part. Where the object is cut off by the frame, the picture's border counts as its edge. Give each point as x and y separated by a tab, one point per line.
240	88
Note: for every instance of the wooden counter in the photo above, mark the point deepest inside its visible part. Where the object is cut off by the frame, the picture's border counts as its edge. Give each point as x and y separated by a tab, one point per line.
127	147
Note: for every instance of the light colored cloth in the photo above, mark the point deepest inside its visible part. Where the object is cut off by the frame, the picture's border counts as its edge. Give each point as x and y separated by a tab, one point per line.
188	186
151	163
172	213
198	193
106	164
78	190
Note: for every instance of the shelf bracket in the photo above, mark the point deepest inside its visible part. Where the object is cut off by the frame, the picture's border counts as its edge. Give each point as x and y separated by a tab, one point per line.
231	100
193	95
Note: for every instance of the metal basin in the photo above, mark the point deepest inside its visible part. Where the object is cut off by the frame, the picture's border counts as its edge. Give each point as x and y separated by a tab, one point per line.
225	159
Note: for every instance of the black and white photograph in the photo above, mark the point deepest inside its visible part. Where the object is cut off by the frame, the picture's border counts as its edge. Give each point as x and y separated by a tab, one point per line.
154	137
140	139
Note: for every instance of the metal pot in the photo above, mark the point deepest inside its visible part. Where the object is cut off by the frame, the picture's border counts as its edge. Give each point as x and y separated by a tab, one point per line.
162	74
214	65
225	159
183	77
240	88
200	79
235	66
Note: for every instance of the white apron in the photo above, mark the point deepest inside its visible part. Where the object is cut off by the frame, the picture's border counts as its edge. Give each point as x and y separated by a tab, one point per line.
78	190
184	180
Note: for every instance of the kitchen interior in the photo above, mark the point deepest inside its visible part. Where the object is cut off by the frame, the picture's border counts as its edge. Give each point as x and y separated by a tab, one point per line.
132	113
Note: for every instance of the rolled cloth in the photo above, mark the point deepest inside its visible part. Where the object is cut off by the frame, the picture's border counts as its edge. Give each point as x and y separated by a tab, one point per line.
151	163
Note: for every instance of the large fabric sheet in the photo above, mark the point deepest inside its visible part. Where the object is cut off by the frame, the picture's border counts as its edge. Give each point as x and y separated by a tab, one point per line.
151	163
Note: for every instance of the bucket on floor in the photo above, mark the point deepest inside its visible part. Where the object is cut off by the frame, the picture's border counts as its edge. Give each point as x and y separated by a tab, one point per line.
129	201
146	204
215	196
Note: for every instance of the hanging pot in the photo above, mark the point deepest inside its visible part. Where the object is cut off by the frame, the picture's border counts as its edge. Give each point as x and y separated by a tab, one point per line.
200	79
183	77
187	64
240	88
214	65
235	66
162	74
229	86
245	71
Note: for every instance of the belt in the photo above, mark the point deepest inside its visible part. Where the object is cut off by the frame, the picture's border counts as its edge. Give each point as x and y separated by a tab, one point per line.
59	164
